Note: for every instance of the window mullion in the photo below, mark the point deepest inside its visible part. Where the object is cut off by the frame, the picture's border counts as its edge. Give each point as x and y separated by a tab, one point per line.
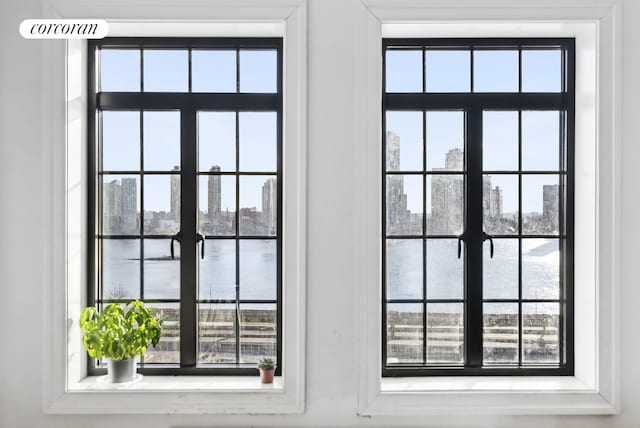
188	249
473	241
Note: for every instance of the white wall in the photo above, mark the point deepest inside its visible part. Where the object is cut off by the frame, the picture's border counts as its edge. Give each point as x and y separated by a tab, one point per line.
331	333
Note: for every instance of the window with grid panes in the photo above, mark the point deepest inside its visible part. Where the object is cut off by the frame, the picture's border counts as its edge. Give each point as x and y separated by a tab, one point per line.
478	138
185	195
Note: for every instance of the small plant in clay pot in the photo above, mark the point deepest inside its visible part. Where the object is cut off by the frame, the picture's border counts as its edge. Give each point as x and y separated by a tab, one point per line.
267	367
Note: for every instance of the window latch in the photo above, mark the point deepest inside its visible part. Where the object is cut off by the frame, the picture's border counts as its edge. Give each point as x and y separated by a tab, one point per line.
176	237
200	239
486	236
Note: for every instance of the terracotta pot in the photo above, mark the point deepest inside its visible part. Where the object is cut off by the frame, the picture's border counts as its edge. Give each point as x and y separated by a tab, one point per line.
266	375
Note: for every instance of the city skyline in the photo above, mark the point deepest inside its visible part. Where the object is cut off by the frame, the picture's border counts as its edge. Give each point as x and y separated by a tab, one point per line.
445	199
121	208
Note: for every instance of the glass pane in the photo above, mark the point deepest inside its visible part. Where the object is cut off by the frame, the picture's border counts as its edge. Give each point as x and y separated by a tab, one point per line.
217	204
500	333
218	270
404	268
258	71
448	71
540	140
258	269
404	204
403	71
258	141
120	204
166	70
445	140
495	71
405	338
217	140
120	141
404	141
500	204
119	70
541	71
445	333
161	140
540	269
258	191
161	272
445	204
500	140
540	333
168	349
445	271
161	204
120	268
216	333
213	70
500	273
258	332
540	204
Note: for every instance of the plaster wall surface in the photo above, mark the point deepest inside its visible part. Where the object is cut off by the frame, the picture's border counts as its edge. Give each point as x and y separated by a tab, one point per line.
331	394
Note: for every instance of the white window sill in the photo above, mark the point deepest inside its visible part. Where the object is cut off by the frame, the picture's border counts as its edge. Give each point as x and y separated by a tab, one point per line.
486	396
484	384
178	395
239	384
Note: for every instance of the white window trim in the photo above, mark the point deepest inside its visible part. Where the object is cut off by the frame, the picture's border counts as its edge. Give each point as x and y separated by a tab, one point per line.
68	390
595	388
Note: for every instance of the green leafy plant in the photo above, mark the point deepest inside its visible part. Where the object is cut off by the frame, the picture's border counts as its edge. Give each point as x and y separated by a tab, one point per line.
119	333
266	364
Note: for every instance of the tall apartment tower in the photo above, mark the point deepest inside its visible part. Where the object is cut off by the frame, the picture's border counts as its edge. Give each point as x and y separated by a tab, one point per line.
270	205
447	196
393	151
214	196
550	205
492	206
129	205
398	216
175	194
111	207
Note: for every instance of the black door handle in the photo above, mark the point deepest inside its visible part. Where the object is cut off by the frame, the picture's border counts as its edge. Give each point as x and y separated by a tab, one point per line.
486	236
460	239
176	237
200	239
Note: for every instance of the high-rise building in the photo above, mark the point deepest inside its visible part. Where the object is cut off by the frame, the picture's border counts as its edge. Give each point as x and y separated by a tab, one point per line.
550	205
111	207
214	197
270	205
447	196
398	216
129	204
495	198
120	206
492	206
454	160
393	151
175	194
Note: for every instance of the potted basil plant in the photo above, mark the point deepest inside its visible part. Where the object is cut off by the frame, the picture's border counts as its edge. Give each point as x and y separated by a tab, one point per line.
119	335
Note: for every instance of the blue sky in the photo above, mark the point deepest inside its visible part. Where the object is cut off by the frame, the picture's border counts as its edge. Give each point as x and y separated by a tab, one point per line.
494	71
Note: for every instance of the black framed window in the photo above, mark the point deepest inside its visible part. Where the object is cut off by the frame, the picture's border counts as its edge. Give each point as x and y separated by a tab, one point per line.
185	203
477	191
